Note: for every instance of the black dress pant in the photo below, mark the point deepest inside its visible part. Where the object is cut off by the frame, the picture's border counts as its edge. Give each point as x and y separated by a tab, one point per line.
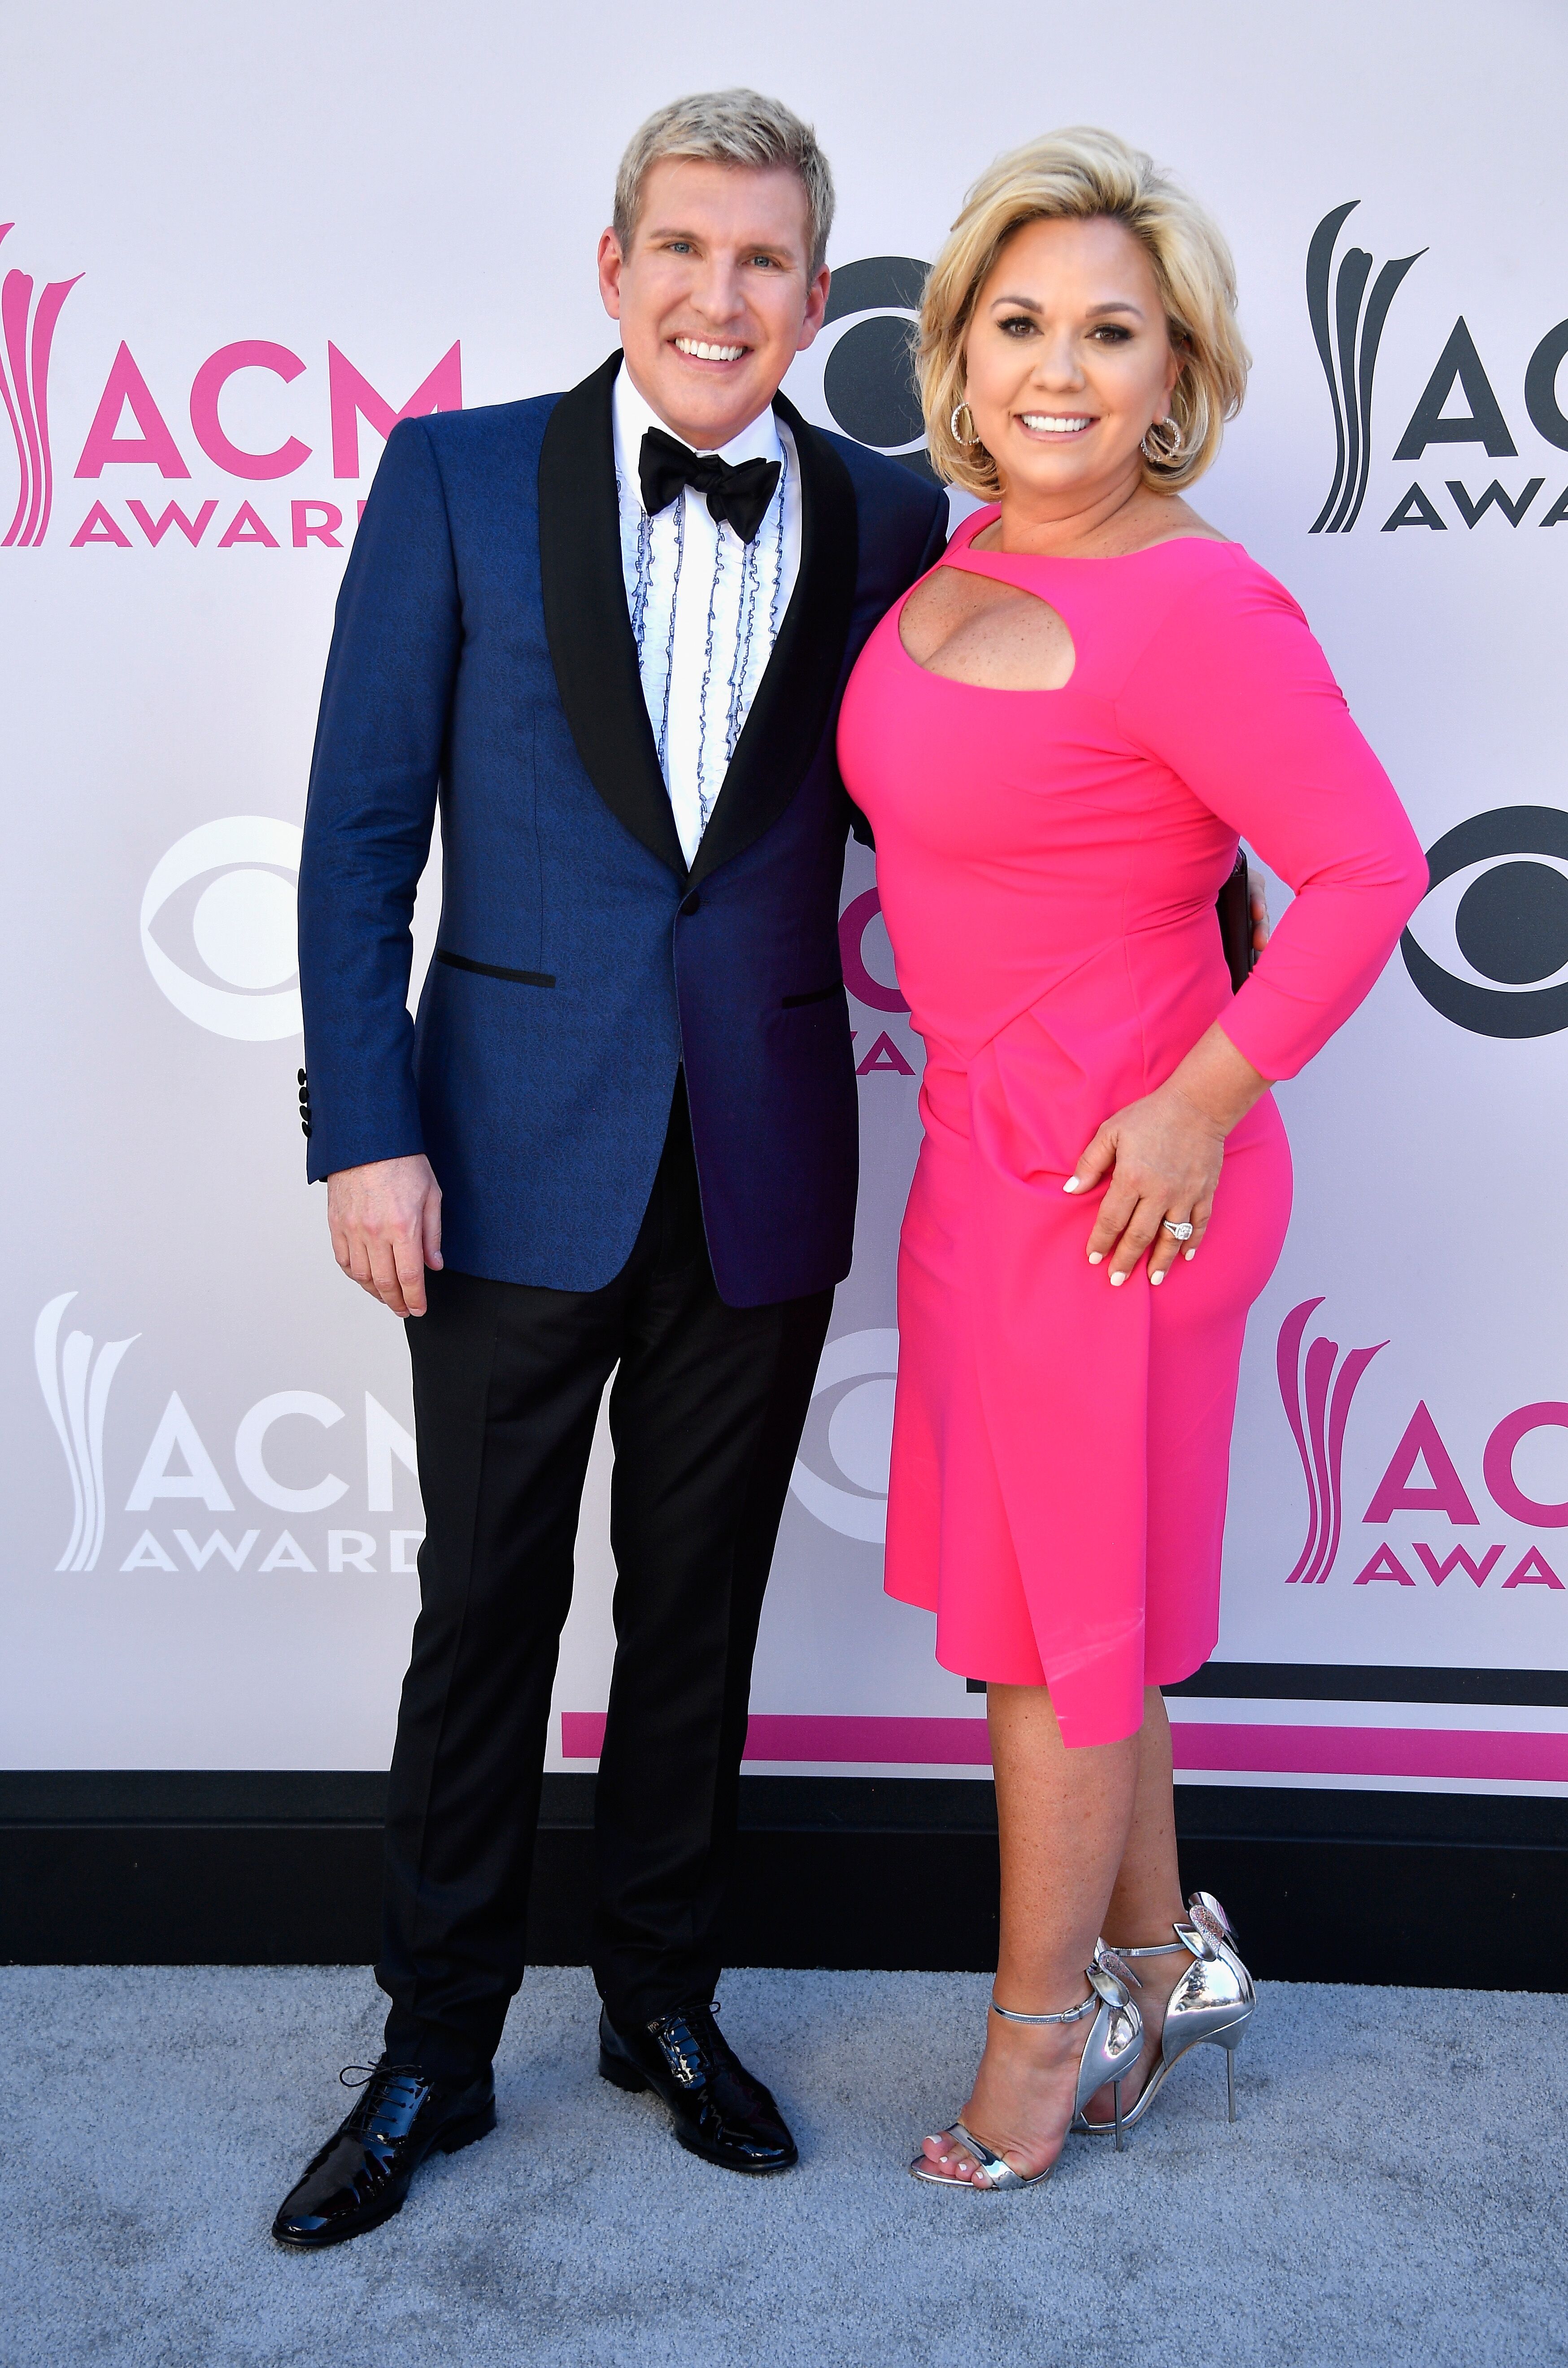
706	1414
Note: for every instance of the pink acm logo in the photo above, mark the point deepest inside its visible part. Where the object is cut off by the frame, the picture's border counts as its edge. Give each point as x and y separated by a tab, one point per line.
136	426
1317	1390
1422	1477
27	332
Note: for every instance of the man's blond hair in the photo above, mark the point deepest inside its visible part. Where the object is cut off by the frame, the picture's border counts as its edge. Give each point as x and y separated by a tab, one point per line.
728	127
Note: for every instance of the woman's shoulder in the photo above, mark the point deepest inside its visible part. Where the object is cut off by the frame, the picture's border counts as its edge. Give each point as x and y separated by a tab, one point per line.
1216	624
1222	579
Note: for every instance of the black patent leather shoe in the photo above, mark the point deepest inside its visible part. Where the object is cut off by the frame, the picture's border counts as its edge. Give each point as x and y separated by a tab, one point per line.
719	2111
362	2174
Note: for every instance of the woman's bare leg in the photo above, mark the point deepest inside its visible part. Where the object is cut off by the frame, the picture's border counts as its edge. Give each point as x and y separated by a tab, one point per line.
1064	1818
1146	1899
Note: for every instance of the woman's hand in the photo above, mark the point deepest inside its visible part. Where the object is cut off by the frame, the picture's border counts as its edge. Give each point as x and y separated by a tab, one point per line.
1257	908
1165	1158
1164	1155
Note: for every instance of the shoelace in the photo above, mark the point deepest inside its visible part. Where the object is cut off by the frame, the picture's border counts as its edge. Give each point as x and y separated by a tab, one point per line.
389	2091
368	2072
687	2048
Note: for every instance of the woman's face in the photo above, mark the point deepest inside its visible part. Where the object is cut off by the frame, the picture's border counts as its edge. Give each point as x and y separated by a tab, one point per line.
1068	359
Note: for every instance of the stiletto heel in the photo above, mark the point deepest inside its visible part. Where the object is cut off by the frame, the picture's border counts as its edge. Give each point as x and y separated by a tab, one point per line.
1210	2004
1110	2051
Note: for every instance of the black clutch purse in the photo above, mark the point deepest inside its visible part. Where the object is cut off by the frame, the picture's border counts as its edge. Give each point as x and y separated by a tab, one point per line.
1234	910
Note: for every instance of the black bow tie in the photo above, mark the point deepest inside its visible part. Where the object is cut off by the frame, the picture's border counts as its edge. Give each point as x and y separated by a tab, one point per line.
738	492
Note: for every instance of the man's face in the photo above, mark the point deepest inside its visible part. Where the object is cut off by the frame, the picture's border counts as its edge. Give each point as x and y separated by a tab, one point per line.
715	295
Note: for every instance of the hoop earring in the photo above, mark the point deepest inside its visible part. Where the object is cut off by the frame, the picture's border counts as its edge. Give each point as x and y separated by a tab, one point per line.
1163	455
953	425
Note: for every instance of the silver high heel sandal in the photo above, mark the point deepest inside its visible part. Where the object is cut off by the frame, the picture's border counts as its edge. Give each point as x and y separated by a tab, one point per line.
1212	2003
1113	2047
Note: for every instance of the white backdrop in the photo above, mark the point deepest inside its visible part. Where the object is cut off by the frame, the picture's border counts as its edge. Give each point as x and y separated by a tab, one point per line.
210	1520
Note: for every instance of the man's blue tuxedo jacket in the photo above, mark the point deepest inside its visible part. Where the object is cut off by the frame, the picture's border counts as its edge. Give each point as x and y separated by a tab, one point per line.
484	658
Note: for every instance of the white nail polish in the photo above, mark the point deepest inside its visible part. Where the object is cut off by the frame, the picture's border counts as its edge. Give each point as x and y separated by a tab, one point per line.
1095	1257
1117	1281
1189	1256
1072	1185
1159	1277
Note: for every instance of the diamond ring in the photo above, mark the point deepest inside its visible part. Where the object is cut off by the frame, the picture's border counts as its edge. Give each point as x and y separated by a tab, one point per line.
1182	1233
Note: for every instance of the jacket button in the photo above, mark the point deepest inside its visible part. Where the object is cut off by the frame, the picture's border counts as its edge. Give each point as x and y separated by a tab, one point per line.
690	904
302	1077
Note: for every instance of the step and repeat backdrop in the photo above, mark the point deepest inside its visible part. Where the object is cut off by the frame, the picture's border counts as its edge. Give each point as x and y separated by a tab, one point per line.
237	246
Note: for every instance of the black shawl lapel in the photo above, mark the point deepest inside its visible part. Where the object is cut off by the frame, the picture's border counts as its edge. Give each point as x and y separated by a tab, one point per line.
585	619
795	697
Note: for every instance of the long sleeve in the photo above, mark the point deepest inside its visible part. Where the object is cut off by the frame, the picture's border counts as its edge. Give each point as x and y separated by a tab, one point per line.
373	802
1234	695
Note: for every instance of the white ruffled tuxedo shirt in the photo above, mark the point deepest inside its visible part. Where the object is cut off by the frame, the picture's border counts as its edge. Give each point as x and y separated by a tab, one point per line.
705	607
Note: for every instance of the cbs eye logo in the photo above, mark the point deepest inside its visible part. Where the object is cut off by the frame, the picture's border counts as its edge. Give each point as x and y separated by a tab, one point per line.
226	952
868	379
857	1436
1491	952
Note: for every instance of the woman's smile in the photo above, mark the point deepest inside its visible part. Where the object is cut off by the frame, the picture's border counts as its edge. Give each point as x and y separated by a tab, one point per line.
1055	427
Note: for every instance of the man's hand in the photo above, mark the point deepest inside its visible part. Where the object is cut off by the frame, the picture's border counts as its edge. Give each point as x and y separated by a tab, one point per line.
386	1228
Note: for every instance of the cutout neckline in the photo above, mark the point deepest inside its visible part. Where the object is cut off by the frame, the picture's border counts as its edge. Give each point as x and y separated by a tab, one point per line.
1006	689
959	552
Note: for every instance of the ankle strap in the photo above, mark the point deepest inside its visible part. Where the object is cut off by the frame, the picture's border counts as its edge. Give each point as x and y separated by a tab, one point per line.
1071	2014
1162	1949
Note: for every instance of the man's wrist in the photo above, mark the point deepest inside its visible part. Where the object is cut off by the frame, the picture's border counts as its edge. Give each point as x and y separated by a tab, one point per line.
363	1167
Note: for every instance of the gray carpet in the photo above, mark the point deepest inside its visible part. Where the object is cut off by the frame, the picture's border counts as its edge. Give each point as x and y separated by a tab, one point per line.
1394	2192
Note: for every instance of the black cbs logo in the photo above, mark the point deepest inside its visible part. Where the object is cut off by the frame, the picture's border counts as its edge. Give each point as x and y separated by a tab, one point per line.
869	381
1503	911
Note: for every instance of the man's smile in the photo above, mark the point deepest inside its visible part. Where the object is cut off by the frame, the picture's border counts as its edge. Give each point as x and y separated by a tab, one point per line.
699	349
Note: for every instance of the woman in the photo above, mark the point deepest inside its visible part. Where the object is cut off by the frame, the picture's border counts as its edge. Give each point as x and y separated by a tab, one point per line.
1058	735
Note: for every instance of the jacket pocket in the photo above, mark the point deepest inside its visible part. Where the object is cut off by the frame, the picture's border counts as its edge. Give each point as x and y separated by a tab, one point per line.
817	994
494	970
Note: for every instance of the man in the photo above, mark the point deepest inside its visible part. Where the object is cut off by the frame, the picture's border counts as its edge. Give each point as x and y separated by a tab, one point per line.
607	632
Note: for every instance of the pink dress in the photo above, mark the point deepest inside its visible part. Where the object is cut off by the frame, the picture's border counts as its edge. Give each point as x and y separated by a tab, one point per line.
1048	862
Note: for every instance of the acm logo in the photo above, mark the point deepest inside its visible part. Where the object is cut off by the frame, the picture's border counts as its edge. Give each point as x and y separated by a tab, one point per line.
134	427
75	1378
1348	309
1421	1485
29	332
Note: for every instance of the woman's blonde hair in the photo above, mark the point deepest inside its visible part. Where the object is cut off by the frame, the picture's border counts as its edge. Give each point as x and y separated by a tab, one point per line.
1074	175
